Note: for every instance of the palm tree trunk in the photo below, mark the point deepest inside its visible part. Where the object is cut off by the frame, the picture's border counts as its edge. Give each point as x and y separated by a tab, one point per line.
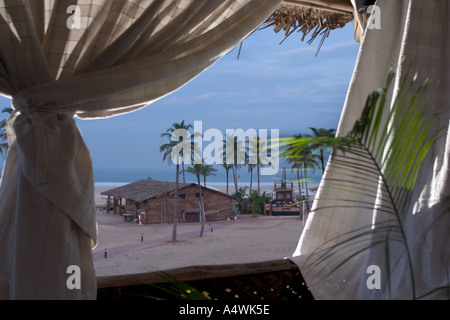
301	179
299	194
306	188
202	208
258	174
235	178
322	161
184	174
251	179
306	182
227	180
175	211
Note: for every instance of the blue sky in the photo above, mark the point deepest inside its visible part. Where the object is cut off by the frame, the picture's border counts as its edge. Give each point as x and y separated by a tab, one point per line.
271	86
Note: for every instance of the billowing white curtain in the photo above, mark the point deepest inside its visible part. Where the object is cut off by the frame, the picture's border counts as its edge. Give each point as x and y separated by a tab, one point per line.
415	35
88	59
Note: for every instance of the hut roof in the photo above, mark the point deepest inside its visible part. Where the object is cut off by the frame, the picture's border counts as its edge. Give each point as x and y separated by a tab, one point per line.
143	190
313	18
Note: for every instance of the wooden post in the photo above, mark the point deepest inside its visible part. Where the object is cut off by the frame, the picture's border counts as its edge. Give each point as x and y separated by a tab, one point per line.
108	205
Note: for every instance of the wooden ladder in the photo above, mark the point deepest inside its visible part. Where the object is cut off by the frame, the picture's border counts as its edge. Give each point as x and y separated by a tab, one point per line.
163	212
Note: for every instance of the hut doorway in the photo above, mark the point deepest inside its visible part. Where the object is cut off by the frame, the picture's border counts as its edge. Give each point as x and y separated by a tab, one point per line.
192	216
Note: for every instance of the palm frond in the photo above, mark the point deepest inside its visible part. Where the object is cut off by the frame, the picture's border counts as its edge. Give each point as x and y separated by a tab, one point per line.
379	161
174	288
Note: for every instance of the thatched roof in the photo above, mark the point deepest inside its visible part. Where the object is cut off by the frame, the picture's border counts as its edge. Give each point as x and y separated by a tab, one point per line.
313	18
143	190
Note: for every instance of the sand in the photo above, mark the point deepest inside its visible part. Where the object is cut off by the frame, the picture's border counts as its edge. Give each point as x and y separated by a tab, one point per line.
132	248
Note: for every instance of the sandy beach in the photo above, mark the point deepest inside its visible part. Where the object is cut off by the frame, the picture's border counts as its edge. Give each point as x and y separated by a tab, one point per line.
133	248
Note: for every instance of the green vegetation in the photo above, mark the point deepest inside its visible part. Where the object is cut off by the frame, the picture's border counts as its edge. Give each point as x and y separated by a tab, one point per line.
257	202
4	145
240	202
379	162
321	143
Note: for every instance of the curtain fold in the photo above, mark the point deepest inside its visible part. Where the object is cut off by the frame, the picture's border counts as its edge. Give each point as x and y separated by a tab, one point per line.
89	59
414	35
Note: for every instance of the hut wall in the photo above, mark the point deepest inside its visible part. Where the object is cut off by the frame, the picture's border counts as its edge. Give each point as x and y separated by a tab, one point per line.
153	211
217	206
130	206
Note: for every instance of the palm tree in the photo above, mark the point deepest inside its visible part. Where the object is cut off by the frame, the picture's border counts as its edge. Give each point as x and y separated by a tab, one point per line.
237	146
250	169
302	161
198	169
297	165
227	168
169	133
323	142
257	148
167	149
4	146
309	162
207	170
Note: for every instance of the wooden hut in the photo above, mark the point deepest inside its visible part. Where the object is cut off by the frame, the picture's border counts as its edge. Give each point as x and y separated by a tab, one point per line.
153	202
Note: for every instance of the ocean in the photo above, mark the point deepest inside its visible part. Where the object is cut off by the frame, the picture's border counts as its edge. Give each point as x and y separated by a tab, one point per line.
118	177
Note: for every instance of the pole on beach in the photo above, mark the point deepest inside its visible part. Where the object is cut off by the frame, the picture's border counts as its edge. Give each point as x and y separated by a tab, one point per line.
142	237
106	253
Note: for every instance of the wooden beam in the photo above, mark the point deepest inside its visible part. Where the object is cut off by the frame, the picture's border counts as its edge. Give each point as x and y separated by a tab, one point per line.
338	6
195	273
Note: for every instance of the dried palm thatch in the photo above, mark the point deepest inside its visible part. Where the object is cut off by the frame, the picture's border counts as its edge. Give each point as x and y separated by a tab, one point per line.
144	190
310	19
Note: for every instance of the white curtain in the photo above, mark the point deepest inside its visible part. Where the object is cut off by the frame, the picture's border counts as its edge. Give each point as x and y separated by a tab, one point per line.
89	59
416	34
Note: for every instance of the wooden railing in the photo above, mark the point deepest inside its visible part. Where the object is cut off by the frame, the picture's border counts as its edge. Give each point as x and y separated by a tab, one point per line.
271	280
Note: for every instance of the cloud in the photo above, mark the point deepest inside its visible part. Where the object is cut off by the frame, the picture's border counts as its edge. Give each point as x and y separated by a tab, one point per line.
269	87
326	49
207	95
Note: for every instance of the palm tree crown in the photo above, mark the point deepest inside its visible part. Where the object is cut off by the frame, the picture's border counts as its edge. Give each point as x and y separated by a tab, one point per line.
169	147
324	135
206	171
